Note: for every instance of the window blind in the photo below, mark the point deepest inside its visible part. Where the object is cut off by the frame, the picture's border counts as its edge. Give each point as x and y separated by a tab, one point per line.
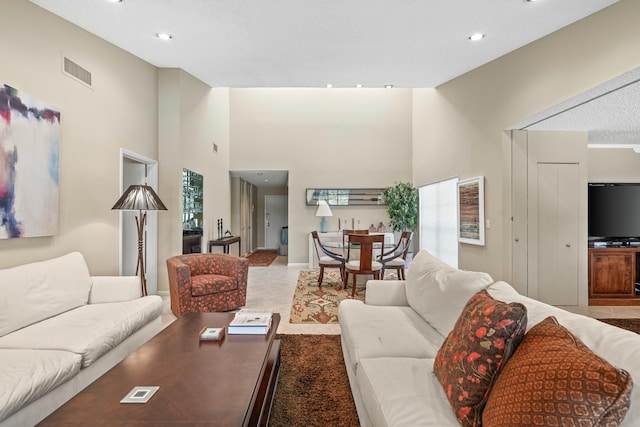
438	220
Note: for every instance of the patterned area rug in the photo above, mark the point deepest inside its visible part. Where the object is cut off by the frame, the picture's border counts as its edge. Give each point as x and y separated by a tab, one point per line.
312	304
262	257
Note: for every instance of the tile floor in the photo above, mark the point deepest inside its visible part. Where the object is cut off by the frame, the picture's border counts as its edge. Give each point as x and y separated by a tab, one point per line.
273	287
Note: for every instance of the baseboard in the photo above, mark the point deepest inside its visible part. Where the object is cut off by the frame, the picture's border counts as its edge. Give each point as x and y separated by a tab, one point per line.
298	264
163	293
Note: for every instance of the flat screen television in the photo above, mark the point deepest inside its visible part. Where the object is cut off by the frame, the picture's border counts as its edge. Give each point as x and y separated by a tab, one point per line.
614	210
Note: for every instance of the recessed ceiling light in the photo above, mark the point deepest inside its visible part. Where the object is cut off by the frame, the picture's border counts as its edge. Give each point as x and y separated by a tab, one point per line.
388	86
476	37
164	36
329	85
358	85
115	1
266	180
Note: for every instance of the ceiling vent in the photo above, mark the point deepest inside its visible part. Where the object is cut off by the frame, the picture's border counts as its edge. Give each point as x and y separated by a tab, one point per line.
75	71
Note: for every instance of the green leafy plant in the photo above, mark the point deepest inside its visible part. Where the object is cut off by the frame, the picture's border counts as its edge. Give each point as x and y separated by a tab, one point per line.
402	206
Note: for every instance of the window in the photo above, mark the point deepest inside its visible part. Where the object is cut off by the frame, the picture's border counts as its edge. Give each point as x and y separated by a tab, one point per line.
438	220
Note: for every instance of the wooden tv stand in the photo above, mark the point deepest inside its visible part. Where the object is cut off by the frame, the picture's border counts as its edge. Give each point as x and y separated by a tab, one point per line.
613	273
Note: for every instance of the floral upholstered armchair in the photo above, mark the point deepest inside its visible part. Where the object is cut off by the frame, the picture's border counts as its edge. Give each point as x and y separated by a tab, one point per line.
207	282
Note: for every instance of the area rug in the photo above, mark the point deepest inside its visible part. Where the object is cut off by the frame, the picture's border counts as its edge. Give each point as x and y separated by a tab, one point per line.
313	388
313	304
632	325
262	257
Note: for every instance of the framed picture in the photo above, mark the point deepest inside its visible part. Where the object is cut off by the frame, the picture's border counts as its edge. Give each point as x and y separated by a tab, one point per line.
345	196
471	211
29	158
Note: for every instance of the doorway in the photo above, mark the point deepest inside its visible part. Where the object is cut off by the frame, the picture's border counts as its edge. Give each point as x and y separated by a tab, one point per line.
276	217
138	169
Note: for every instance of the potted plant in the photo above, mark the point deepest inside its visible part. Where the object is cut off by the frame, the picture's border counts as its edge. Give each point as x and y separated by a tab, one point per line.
402	207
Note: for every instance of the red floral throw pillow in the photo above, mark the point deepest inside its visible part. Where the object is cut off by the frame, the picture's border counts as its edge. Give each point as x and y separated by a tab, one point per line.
555	380
484	336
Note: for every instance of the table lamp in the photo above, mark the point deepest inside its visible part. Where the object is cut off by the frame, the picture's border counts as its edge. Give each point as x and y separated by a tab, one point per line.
140	198
323	211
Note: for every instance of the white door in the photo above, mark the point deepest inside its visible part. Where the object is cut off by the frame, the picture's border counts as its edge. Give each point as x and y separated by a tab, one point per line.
276	216
557	214
548	233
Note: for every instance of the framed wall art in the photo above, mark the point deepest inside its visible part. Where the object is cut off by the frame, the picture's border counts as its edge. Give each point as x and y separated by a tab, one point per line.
345	196
29	157
471	211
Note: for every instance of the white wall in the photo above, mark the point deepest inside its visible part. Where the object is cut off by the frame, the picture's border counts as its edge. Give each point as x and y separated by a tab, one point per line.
325	138
192	117
119	112
613	165
458	126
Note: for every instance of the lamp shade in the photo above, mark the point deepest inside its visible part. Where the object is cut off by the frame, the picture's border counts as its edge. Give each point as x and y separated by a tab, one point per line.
140	198
323	209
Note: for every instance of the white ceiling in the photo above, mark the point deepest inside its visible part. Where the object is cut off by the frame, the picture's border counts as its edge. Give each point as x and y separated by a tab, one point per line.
310	43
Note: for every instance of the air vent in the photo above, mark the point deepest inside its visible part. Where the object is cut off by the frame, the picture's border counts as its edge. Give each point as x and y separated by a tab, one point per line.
75	71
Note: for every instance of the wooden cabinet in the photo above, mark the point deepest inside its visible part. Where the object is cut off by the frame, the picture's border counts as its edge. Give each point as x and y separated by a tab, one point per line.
613	273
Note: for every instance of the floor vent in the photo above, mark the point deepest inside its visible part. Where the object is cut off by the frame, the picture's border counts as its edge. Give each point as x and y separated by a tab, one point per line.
75	71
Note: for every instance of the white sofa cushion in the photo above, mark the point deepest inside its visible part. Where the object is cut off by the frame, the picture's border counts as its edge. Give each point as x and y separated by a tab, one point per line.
90	330
375	331
114	289
33	292
403	391
26	375
438	292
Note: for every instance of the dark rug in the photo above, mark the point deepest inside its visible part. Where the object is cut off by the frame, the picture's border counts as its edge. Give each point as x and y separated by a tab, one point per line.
313	389
629	324
262	257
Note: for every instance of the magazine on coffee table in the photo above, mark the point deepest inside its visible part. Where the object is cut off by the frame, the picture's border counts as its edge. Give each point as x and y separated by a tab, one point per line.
251	322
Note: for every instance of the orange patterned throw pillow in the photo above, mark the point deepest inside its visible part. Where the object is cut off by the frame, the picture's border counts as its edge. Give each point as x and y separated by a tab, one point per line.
555	380
486	333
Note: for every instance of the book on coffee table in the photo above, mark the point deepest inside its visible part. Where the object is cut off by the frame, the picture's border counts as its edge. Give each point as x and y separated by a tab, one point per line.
251	322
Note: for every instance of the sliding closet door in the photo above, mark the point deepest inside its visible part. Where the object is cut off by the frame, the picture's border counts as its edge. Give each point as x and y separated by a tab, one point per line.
549	204
557	225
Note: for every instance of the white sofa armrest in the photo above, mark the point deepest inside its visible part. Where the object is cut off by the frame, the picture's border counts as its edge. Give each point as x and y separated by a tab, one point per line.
114	289
386	292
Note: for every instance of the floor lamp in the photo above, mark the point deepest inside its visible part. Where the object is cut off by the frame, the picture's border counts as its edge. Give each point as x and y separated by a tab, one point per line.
140	198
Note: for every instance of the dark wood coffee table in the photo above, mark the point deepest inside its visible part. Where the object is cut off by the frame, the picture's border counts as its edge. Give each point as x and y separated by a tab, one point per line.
223	383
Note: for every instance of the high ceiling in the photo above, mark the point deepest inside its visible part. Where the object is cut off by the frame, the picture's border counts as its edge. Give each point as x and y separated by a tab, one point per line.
373	43
311	43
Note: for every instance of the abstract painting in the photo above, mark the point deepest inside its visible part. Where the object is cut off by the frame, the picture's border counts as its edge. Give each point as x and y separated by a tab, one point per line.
29	154
471	211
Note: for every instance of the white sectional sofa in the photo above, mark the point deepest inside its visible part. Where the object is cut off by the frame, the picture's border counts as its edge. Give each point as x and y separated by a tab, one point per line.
390	341
60	329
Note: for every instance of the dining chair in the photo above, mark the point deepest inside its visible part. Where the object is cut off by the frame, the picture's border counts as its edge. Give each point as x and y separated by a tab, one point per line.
345	235
327	259
365	264
396	258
